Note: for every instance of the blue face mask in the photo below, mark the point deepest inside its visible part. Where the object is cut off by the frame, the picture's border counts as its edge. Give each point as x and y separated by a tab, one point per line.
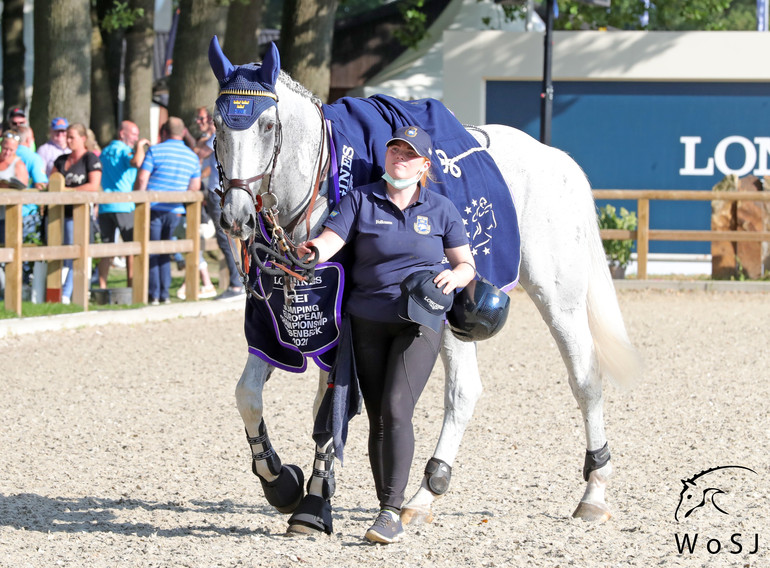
401	183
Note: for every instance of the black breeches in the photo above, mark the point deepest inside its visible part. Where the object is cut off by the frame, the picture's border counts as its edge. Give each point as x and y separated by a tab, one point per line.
394	362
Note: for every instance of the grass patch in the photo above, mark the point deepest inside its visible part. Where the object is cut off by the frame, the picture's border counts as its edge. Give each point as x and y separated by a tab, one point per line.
116	279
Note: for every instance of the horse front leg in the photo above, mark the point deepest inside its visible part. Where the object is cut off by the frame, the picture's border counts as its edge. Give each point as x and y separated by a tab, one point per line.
314	513
281	484
462	389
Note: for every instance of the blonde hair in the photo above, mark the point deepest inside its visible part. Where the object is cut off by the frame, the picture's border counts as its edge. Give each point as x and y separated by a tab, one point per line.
91	144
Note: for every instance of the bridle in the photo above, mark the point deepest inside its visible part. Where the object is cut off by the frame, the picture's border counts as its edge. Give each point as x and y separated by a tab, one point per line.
226	184
279	255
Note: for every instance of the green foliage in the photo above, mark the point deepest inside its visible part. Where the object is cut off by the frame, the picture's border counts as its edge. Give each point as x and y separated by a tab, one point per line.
120	16
664	15
512	10
618	251
413	29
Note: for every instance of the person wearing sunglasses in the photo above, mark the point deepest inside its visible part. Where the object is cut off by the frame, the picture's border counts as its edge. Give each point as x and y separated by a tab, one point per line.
17	119
56	144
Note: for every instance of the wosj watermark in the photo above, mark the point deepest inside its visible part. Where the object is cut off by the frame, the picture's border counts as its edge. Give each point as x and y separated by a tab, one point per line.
713	500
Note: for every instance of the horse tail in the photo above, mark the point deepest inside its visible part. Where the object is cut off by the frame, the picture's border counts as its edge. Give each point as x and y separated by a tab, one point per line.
618	359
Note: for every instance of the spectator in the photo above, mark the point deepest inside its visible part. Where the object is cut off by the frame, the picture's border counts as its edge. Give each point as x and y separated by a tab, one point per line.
120	160
56	144
37	179
12	171
168	166
212	204
12	168
206	127
17	117
32	160
82	171
91	144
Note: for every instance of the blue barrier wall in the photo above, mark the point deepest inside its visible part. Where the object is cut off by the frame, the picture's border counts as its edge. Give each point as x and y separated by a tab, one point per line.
649	135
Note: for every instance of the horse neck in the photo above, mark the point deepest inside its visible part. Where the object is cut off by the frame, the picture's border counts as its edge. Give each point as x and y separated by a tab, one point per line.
293	182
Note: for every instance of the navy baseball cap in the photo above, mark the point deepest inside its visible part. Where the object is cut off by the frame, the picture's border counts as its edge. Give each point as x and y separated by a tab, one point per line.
416	137
422	301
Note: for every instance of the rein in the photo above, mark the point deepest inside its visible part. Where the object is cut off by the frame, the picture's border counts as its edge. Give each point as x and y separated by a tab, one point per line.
280	255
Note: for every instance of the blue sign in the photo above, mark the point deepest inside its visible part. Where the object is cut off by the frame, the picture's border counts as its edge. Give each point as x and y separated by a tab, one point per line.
650	136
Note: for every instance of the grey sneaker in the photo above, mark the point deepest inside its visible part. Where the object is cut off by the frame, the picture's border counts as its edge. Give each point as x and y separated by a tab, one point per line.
387	528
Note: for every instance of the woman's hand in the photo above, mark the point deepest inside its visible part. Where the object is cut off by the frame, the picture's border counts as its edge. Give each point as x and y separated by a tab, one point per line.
304	249
458	277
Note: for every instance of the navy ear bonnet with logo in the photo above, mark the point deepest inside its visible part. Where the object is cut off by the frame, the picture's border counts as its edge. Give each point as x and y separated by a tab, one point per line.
245	91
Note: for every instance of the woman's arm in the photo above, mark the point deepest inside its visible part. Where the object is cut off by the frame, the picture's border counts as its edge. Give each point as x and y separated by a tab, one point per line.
94	182
21	173
463	269
328	244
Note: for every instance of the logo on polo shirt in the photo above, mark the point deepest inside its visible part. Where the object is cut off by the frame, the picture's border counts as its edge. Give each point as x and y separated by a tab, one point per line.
381	222
422	225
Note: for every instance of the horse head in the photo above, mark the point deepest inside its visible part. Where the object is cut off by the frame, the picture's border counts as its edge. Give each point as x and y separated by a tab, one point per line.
249	138
698	492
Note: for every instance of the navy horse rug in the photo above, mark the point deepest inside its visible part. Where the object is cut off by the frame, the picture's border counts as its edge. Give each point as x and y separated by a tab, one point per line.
285	335
463	170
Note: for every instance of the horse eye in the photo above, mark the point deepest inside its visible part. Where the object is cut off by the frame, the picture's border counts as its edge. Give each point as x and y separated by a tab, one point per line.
269	126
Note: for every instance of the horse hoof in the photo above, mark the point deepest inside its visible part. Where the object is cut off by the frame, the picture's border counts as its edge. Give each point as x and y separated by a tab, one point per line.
591	513
285	492
416	516
313	516
302	529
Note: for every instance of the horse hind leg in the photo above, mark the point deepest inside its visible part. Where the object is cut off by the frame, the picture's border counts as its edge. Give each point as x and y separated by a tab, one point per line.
462	389
569	327
281	484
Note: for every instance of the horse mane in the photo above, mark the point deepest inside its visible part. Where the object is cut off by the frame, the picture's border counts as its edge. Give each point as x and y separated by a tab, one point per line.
298	88
705	471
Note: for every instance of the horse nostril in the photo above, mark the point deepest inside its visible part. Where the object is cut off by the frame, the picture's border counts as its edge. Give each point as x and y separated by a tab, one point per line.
223	222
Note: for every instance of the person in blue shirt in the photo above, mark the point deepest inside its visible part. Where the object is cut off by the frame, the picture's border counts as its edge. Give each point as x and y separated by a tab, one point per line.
168	166
31	220
397	227
120	160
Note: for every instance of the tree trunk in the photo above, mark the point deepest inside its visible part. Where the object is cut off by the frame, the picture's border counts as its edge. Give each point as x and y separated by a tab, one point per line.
62	83
306	42
113	46
243	21
13	55
140	39
103	111
192	83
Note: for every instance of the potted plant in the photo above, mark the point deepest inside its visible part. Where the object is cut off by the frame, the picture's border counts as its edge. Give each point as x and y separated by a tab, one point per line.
618	251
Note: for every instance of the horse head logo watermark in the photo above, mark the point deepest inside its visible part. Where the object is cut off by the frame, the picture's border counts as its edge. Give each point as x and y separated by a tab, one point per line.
706	488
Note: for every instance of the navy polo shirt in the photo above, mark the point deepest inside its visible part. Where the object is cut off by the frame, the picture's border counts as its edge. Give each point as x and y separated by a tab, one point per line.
389	244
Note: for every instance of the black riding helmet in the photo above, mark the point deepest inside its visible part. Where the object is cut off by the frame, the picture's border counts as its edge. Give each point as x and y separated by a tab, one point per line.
479	311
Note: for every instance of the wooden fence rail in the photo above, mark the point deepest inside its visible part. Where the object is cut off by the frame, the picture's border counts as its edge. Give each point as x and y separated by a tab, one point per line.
643	234
14	253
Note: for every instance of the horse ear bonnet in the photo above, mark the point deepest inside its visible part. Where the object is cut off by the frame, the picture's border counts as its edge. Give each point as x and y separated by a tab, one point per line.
245	91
